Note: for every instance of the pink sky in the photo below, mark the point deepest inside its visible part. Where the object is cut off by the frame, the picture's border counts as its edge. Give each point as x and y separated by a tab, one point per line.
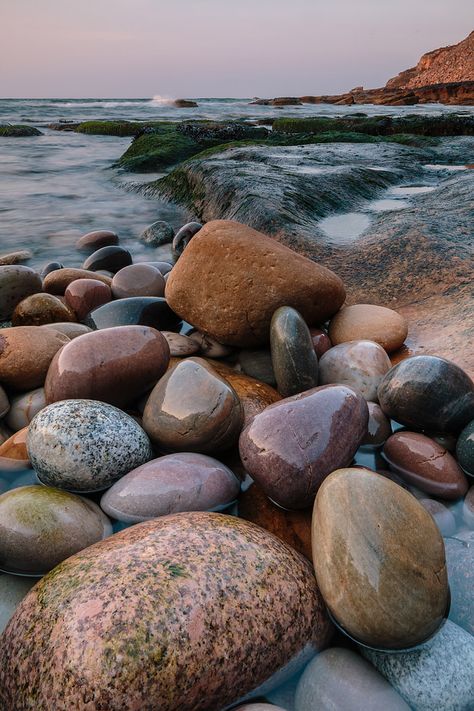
193	48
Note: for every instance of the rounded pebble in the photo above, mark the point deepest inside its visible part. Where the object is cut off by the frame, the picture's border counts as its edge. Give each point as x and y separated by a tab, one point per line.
84	295
359	364
465	449
24	408
138	280
40	309
369	322
16	283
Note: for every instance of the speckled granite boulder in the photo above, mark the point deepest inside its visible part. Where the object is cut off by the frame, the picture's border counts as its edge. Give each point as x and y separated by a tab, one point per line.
101	641
439	675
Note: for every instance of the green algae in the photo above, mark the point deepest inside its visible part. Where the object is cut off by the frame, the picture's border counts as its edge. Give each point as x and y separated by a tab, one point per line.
18	130
444	125
109	128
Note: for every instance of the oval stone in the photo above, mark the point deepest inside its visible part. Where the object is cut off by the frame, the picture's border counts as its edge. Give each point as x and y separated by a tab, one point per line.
193	409
359	364
51	267
294	361
170	484
379	560
136	310
294	444
40	309
99	608
369	322
138	280
41	526
92	241
156	234
84	295
184	236
465	449
57	281
111	259
26	353
115	365
379	428
71	330
163	267
22	255
423	463
16	283
83	445
427	392
321	341
24	408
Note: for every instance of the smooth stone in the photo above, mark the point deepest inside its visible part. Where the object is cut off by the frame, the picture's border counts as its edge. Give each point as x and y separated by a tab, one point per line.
84	295
51	267
170	484
16	283
163	267
291	447
138	617
24	407
57	281
40	527
41	309
423	463
439	675
460	562
183	236
4	403
13	589
321	341
465	449
193	409
359	364
97	239
180	345
379	560
137	310
112	259
230	280
338	679
25	355
468	508
379	428
15	447
445	440
208	346
71	330
294	361
22	255
114	365
369	322
5	433
258	364
427	392
138	280
259	707
443	517
84	445
156	234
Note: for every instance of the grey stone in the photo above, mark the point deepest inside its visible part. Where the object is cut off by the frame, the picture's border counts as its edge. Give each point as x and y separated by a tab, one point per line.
295	363
156	234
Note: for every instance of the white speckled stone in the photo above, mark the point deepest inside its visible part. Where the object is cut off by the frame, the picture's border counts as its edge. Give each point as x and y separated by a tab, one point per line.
359	364
85	445
12	591
437	677
24	407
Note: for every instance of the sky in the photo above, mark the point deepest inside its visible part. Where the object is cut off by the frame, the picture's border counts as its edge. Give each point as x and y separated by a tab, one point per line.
221	48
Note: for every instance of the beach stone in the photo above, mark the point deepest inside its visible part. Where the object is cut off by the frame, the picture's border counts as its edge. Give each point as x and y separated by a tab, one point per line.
4	403
126	651
114	365
112	259
156	234
338	679
258	364
254	395
208	346
259	707
40	309
439	675
180	345
369	322
51	267
135	311
184	236
192	408
57	281
97	239
465	449
468	508
379	428
24	407
15	447
359	364
163	267
230	280
13	589
84	295
170	484
443	517
379	560
85	445
321	341
22	255
16	283
427	392
291	446
445	440
41	526
138	280
71	330
25	355
460	562
294	361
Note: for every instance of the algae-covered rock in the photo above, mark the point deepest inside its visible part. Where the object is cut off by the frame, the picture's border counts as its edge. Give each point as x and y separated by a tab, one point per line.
17	130
109	128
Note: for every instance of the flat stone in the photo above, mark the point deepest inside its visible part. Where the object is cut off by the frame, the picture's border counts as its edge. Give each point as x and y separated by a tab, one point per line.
180	345
15	447
439	675
138	280
114	365
184	236
71	330
465	449
112	259
321	341
379	560
460	562
24	407
444	518
22	255
84	295
135	311
379	428
427	392
92	241
156	234
100	607
369	322
16	283
423	463
40	309
57	281
359	364
13	589
294	361
4	403
230	280
291	447
258	364
40	527
25	355
84	445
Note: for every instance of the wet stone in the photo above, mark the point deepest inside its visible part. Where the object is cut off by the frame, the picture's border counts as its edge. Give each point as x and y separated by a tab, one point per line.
137	310
208	346
92	241
184	236
24	407
254	395
359	364
51	267
379	428
25	355
138	280
163	267
156	234
460	562
369	322
180	345
258	364
57	281
15	447
84	295
16	283
294	361
22	255
465	449
112	259
321	341
40	309
71	330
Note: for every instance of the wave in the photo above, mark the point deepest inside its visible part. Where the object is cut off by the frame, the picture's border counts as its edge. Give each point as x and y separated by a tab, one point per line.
162	100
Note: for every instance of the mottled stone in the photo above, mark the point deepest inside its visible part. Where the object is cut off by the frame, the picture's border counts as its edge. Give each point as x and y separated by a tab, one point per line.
439	675
359	364
71	330
230	280
136	310
156	234
460	562
379	560
138	280
98	611
294	444
465	449
180	345
13	589
57	281
24	407
115	365
84	445
258	364
4	403
208	346
338	679
92	241
369	322
26	353
423	463
84	295
112	259
378	427
23	255
16	283
443	517
193	409
41	526
15	447
427	392
321	341
184	236
40	309
294	361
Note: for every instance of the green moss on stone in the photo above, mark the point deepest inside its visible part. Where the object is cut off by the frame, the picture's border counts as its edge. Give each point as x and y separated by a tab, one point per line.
109	128
17	131
158	150
444	125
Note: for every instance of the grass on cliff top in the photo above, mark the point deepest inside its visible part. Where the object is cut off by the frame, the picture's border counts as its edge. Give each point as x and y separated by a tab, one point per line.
446	125
17	130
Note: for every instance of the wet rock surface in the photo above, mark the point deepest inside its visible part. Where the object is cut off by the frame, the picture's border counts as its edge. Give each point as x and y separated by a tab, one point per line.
294	361
359	364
